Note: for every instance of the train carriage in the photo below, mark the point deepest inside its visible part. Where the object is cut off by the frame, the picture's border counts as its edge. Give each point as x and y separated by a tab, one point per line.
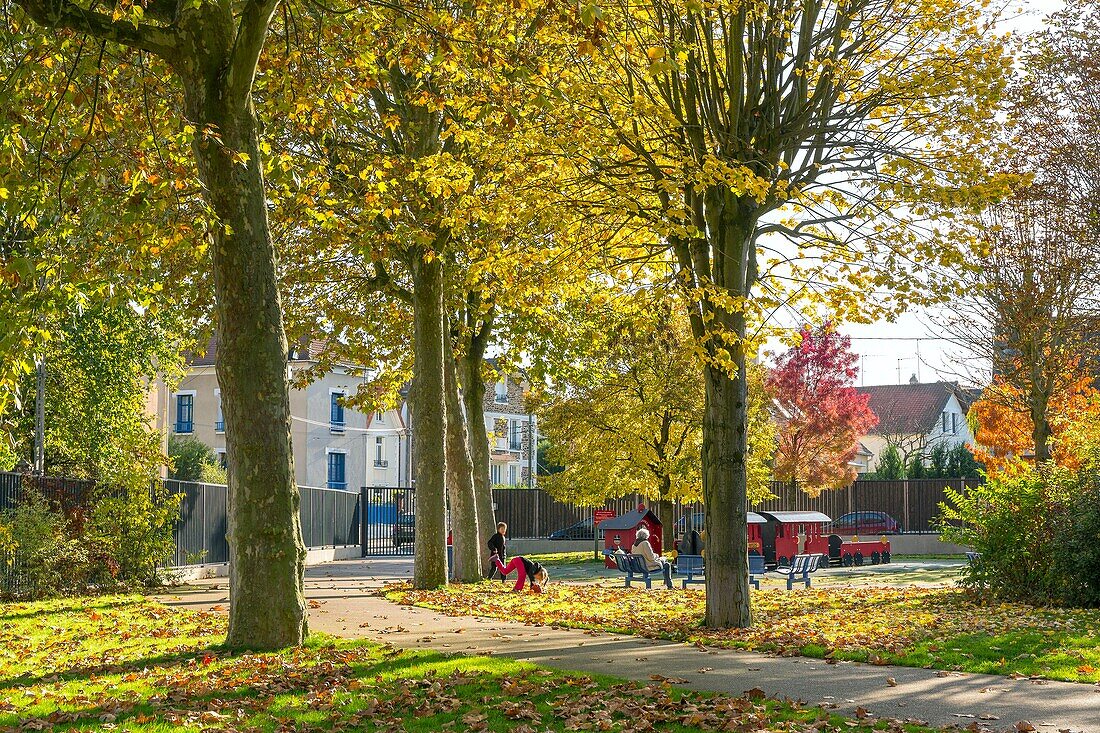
783	534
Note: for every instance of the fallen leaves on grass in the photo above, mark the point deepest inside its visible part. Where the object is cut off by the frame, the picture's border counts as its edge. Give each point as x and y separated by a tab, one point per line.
878	623
347	686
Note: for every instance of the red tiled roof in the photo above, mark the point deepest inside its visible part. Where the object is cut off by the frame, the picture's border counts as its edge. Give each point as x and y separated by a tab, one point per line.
907	408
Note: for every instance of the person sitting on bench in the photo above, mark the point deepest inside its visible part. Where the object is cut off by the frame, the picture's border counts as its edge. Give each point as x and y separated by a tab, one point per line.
653	561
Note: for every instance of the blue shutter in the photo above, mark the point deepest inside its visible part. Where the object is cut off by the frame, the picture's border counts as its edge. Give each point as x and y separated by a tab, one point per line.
336	412
336	476
185	413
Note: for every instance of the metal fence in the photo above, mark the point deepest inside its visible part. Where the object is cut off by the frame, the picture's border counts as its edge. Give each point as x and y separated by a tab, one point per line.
390	520
329	517
913	503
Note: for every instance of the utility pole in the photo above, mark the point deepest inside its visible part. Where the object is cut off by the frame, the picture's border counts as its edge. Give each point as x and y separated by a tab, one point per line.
532	446
40	419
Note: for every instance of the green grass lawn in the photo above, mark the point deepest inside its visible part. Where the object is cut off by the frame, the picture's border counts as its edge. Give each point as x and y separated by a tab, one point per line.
126	663
940	628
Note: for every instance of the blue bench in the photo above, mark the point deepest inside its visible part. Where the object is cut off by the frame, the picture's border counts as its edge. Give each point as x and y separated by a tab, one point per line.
635	568
756	569
692	566
695	569
800	568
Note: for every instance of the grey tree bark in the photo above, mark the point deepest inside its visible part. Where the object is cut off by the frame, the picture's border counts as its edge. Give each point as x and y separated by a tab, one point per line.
465	530
473	398
429	344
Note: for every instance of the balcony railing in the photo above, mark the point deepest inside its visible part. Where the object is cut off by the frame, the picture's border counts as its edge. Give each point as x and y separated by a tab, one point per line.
336	426
381	463
185	427
219	426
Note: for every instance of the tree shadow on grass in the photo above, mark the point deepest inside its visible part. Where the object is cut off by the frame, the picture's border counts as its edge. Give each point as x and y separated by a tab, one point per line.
275	685
104	604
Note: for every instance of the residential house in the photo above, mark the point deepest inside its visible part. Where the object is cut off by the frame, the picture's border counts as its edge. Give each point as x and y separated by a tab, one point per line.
334	444
338	446
914	418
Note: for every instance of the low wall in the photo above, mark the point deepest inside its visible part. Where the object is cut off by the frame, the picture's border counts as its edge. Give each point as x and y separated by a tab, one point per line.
922	544
314	556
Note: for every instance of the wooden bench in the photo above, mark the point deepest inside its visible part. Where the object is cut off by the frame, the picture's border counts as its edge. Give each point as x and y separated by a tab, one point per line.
800	569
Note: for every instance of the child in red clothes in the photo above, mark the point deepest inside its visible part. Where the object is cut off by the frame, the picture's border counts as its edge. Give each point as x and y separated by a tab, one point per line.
524	569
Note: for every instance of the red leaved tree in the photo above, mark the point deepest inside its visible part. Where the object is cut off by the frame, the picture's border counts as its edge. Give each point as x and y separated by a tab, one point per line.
822	416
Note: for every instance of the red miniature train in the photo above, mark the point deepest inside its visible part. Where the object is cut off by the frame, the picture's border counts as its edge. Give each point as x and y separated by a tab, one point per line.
779	536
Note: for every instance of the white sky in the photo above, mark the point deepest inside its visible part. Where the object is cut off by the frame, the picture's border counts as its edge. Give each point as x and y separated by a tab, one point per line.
892	352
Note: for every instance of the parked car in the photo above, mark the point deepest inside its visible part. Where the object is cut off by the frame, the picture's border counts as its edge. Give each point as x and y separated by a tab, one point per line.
865	523
404	529
581	530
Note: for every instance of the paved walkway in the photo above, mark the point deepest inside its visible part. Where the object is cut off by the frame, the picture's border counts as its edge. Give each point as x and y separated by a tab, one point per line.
343	607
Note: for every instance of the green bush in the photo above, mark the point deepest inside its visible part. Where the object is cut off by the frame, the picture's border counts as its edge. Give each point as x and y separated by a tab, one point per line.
49	557
1037	532
119	541
190	458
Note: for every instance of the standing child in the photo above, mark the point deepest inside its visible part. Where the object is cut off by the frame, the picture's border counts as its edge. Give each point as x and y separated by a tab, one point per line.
525	569
498	548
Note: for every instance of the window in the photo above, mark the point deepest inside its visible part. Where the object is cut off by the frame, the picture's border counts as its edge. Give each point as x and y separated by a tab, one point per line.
380	452
336	475
513	475
954	423
336	412
223	459
515	435
501	395
495	474
219	422
378	416
185	412
943	422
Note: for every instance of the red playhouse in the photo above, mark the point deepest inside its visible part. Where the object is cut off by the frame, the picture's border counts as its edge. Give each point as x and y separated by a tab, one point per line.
620	531
782	535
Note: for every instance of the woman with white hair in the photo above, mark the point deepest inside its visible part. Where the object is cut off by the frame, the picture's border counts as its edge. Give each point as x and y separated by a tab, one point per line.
653	561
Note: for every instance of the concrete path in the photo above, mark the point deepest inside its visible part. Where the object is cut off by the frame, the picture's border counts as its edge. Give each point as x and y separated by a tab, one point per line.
342	606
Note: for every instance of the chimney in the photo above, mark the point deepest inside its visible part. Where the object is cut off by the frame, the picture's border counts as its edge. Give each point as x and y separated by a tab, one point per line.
913	379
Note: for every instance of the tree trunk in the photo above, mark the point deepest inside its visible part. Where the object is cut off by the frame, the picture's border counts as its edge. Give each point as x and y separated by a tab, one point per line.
730	222
266	554
428	406
668	524
465	530
473	397
724	490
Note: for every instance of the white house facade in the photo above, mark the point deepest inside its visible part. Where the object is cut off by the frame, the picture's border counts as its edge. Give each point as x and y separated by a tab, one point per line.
915	418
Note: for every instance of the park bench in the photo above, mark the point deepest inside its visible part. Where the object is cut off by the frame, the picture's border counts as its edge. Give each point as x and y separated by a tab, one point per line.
800	569
635	568
693	567
756	569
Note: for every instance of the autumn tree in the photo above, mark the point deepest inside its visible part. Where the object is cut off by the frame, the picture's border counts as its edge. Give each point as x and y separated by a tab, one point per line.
738	125
633	422
822	415
211	50
1005	430
1033	299
431	201
1031	306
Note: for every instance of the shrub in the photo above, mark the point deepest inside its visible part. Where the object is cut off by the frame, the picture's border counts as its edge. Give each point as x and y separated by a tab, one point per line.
188	458
49	558
1037	532
120	540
